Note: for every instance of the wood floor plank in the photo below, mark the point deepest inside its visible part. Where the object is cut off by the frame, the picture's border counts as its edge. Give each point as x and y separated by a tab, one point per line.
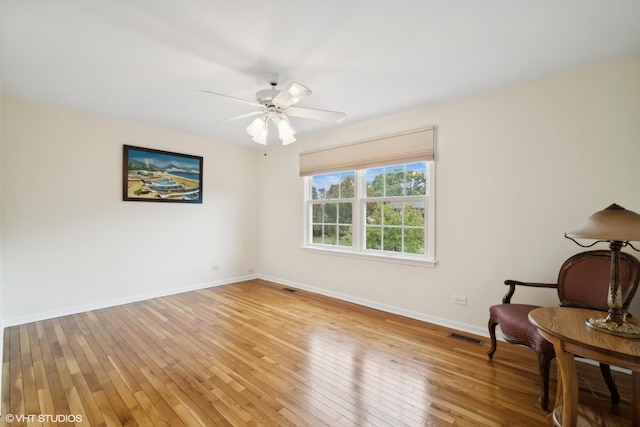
50	355
15	373
254	354
163	407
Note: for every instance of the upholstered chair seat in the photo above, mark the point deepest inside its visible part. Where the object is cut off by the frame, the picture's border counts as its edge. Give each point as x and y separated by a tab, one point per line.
516	328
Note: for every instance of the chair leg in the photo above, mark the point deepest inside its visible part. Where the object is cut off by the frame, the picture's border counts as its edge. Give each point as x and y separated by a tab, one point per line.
544	361
606	374
492	333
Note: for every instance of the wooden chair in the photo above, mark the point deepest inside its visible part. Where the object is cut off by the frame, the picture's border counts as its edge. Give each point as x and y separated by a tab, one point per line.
583	282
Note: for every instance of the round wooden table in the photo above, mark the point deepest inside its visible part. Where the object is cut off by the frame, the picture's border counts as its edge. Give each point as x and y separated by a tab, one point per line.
565	328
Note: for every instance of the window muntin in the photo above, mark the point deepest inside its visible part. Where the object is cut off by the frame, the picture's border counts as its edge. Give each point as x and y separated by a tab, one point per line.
380	211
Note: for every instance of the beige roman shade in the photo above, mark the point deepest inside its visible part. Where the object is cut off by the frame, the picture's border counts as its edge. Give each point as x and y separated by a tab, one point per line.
401	148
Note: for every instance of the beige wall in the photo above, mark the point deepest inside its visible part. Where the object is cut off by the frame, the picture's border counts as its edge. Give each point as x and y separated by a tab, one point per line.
1	156
516	168
70	243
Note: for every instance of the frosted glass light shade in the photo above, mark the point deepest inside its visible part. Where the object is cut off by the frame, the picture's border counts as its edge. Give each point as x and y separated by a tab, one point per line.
258	130
286	131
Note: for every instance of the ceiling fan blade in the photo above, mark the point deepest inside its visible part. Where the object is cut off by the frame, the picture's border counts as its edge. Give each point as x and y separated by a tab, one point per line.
242	116
315	114
290	94
254	104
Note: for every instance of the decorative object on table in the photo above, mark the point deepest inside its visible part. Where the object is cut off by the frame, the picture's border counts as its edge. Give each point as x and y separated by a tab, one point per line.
160	176
583	281
276	105
619	227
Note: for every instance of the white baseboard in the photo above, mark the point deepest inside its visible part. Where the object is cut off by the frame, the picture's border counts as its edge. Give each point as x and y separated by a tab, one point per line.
463	327
118	301
344	297
382	307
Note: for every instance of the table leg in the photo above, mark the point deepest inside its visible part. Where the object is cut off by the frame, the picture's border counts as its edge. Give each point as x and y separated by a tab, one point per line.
569	378
635	398
559	389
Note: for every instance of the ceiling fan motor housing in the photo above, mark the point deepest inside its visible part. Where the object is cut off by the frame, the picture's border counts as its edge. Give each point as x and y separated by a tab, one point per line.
265	97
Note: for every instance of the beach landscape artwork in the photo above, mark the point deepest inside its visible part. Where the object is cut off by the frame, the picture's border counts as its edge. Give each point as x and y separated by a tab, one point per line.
160	176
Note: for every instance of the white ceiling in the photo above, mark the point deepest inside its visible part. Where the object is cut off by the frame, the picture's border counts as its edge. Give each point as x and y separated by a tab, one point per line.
144	60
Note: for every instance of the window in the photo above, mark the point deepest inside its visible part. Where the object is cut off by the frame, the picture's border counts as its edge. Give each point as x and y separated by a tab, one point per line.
332	198
381	211
372	198
395	208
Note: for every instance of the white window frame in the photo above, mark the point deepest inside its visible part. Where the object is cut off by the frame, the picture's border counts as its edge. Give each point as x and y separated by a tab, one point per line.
358	248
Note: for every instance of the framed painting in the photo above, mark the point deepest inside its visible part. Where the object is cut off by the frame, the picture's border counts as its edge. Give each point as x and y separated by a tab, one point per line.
160	176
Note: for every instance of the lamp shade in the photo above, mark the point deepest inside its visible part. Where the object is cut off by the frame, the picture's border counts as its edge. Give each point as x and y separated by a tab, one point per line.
614	223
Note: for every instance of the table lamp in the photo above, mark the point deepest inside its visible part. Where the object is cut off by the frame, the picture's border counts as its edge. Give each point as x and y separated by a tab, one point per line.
617	226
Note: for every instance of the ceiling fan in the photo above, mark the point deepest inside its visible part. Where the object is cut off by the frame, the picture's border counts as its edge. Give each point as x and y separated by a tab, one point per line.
277	105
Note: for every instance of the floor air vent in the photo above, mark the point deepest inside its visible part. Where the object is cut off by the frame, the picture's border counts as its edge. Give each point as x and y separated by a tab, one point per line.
288	289
465	339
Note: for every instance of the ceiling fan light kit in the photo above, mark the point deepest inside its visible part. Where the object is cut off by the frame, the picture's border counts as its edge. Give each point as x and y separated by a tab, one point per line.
286	131
258	129
276	105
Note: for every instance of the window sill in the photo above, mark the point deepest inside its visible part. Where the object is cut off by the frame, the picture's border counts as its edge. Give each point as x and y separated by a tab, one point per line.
372	257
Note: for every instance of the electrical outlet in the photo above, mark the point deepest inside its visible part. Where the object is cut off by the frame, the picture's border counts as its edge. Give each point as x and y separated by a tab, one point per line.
215	267
459	299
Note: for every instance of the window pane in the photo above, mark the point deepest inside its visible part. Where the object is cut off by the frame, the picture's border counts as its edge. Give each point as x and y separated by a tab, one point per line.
392	239
333	185
373	238
317	214
416	179
318	190
330	234
344	213
414	214
392	213
344	236
394	181
375	182
347	185
414	240
374	213
330	213
317	234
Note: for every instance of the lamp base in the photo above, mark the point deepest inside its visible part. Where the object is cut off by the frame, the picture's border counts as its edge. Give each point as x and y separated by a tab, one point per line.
605	325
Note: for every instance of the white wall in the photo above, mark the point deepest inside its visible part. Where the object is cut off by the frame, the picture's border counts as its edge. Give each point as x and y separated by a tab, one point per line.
70	243
516	169
1	287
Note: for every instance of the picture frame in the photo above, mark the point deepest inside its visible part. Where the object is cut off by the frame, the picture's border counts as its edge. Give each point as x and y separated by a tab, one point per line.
151	175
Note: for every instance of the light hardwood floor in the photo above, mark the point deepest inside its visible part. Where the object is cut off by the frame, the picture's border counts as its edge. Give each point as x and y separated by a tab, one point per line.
254	353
